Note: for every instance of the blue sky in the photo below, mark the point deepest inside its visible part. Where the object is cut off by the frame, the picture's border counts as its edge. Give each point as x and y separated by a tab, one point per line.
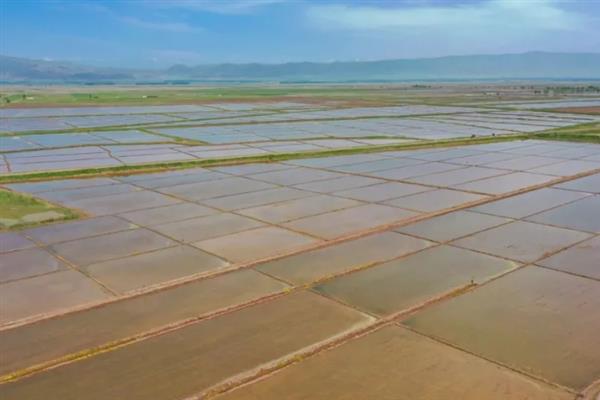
159	33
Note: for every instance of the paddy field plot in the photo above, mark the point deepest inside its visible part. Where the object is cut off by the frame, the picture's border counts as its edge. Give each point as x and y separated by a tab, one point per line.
372	261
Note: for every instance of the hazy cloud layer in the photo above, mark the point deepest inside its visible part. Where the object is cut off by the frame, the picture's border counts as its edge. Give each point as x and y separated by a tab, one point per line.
139	33
496	14
441	28
159	25
216	6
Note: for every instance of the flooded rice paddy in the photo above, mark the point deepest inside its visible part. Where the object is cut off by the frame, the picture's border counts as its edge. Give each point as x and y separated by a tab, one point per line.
469	272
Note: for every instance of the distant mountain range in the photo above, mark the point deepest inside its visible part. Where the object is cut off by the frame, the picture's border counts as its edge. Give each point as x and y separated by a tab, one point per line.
532	65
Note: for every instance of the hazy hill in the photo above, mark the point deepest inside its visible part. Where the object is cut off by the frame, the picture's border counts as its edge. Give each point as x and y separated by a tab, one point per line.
15	68
526	65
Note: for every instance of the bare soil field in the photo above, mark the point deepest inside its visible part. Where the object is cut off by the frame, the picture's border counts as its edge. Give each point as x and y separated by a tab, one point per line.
580	110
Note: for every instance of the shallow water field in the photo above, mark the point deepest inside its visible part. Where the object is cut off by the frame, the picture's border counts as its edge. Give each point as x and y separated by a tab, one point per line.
358	266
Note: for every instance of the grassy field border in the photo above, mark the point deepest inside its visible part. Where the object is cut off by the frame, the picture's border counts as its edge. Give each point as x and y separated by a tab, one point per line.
157	167
570	134
218	122
565	137
586	132
190	142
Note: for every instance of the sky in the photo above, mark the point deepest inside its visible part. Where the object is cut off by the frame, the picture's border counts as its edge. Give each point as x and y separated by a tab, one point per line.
160	33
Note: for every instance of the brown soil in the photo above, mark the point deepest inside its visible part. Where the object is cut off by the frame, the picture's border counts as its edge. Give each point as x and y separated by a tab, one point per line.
580	110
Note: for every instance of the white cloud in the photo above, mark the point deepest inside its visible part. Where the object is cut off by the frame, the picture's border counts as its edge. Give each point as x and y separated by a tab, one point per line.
217	6
158	25
438	28
489	15
166	26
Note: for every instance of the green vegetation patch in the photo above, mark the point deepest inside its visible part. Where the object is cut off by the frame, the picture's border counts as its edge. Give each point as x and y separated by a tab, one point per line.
349	95
19	210
577	133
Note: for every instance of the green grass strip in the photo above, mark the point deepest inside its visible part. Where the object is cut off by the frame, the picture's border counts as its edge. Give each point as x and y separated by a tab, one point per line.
15	208
156	167
588	132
